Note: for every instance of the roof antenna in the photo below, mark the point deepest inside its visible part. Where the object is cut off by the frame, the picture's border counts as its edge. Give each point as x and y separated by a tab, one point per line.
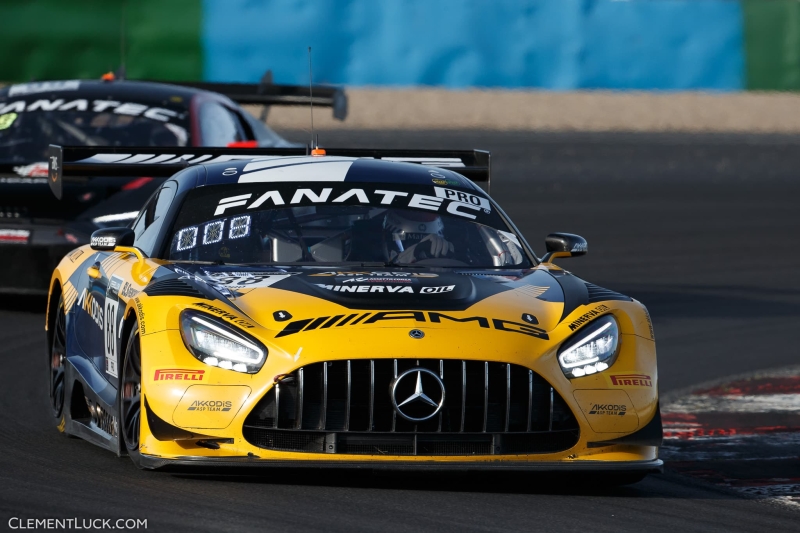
315	149
121	74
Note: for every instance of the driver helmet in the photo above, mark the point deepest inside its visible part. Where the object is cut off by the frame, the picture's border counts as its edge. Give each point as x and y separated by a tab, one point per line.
410	227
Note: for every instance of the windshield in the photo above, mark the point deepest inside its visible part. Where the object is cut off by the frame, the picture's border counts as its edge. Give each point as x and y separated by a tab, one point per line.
25	133
334	223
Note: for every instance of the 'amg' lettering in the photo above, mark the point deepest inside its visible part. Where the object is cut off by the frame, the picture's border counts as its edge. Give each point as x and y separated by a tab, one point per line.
437	317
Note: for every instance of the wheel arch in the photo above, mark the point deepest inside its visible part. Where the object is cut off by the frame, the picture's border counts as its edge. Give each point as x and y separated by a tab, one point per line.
127	326
52	308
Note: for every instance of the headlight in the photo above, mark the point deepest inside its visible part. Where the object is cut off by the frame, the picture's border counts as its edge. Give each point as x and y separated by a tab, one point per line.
591	350
217	344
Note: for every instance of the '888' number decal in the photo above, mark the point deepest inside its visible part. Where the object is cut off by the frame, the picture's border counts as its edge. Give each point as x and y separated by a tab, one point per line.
111	337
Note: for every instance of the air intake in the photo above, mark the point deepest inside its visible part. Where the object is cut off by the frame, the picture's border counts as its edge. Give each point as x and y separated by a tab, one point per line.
345	407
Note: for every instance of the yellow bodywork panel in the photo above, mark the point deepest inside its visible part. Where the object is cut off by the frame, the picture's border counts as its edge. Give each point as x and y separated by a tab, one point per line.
209	406
213	402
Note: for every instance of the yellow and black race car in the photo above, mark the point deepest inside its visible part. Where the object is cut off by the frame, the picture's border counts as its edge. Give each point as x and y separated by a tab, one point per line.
353	309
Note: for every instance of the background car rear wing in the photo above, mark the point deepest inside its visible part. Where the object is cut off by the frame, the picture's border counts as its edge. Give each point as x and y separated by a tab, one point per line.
268	94
79	163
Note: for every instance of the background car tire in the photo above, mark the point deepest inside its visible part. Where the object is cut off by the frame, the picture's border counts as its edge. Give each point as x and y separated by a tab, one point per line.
130	398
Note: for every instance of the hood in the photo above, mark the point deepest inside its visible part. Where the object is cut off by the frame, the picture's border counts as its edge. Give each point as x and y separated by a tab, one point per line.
278	298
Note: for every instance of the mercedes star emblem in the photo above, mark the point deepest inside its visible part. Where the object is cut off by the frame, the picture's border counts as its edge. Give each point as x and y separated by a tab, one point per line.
416	333
417	394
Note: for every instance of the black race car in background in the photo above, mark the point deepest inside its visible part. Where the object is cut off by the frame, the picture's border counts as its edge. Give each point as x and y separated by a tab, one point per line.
35	230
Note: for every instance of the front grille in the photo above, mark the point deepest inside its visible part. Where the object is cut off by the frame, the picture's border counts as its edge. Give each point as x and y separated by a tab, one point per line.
345	407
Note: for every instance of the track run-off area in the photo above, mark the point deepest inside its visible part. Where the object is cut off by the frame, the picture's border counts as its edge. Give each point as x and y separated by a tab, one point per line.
703	229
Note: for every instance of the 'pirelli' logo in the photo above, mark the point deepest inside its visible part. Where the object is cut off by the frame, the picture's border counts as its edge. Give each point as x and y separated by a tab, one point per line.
178	374
631	380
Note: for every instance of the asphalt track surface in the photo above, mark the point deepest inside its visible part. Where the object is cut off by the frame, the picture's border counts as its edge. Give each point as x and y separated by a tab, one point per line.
703	229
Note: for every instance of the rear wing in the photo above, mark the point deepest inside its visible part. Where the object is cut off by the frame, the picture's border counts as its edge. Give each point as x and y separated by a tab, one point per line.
268	94
79	163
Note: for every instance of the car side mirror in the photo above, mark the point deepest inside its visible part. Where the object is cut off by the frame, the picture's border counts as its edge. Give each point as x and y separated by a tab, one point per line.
564	245
115	240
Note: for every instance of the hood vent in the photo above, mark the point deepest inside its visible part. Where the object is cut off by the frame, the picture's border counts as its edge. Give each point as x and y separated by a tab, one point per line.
599	294
173	287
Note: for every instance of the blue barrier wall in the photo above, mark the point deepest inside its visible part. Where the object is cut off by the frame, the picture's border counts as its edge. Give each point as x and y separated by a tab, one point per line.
551	44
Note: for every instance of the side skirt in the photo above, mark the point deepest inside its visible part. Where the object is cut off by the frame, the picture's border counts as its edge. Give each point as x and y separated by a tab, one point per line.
95	419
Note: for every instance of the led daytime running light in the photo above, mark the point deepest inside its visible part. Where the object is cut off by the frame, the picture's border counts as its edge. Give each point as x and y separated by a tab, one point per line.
232	338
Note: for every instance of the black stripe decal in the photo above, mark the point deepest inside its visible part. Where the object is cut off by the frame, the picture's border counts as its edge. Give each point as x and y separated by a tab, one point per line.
317	323
347	319
331	322
359	319
293	327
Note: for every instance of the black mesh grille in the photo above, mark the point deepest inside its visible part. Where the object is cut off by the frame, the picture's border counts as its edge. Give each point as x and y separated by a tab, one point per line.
412	444
172	287
599	294
345	407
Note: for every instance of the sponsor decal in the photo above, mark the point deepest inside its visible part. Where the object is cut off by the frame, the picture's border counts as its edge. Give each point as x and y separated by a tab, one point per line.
368	288
378	280
441	179
23	181
36	170
127	290
405	275
222	313
5	122
139	315
459	203
103	242
387	289
461	199
88	303
586	317
14	236
96	106
178	374
246	280
43	87
437	290
579	247
610	409
325	322
74	255
630	381
210	405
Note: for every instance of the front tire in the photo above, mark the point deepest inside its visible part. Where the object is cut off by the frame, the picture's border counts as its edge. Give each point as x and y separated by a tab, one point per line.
130	397
57	364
